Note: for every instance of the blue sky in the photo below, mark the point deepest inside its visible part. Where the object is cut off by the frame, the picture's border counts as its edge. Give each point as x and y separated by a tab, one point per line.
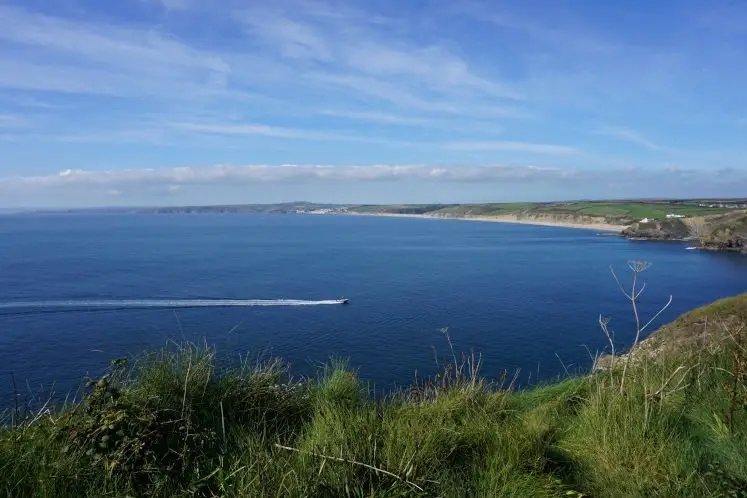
182	102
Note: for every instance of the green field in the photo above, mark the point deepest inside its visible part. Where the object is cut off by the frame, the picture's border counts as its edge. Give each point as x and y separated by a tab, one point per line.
623	212
176	424
631	210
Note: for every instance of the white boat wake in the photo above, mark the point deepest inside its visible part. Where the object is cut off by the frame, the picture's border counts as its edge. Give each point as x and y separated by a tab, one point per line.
163	303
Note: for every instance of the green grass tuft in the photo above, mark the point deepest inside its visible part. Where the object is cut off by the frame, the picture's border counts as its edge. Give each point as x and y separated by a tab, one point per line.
173	423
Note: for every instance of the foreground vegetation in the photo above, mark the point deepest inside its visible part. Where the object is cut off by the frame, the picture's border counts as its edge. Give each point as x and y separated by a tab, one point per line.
175	424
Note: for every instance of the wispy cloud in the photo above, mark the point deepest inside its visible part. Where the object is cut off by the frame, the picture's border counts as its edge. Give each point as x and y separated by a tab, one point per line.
100	58
289	38
365	56
548	25
11	120
631	136
535	148
255	129
105	44
247	129
26	102
173	4
378	117
324	52
477	124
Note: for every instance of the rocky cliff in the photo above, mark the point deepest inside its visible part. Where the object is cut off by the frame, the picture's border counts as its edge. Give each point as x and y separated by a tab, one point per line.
557	218
726	232
670	229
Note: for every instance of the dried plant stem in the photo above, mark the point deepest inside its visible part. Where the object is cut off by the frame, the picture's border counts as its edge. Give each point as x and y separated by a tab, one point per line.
636	267
352	462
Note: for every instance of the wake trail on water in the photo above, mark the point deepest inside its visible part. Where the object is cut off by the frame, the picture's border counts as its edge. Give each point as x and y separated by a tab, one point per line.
76	304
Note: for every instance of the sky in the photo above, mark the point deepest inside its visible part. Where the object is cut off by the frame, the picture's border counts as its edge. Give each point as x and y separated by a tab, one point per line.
173	102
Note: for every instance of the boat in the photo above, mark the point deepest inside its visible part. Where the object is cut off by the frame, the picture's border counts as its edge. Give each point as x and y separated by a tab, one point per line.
344	301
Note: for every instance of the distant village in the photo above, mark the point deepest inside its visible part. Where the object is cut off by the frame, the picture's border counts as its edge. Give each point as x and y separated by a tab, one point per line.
724	206
339	210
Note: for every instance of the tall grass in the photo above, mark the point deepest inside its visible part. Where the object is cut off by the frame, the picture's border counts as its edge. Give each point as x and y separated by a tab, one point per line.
173	423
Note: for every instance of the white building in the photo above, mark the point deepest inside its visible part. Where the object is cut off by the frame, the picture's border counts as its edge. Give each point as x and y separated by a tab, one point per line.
647	220
672	215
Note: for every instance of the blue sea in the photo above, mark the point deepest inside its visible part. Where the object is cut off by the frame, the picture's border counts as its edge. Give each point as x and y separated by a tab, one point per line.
527	298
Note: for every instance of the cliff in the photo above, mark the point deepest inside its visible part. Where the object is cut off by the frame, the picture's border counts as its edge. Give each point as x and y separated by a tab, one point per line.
530	217
722	232
575	219
726	233
669	229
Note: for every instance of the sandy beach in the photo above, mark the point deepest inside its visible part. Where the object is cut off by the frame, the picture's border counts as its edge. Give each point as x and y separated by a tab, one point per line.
510	218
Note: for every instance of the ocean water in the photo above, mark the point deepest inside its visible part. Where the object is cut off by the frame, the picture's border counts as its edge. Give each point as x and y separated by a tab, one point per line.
526	297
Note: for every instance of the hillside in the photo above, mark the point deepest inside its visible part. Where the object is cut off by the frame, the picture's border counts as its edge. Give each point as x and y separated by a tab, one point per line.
687	335
175	424
619	213
282	208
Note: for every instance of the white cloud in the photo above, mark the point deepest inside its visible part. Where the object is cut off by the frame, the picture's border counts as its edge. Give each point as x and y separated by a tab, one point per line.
173	178
326	183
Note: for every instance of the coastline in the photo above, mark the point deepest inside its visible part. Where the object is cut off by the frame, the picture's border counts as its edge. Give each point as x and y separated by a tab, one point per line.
509	218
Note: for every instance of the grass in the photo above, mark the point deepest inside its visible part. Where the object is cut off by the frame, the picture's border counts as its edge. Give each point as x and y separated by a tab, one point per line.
173	423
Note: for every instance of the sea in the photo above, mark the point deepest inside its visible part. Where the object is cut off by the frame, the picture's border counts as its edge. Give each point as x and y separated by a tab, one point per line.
78	290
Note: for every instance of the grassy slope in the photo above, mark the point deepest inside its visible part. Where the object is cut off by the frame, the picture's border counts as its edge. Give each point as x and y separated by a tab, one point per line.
174	426
709	323
612	211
